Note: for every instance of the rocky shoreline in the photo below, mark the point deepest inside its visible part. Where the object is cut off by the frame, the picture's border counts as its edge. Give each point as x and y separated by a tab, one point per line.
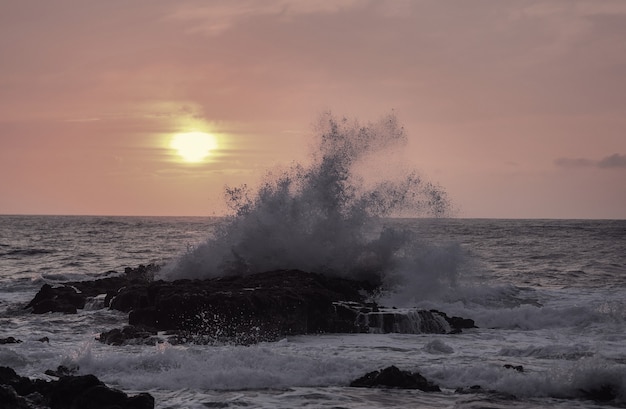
241	309
235	309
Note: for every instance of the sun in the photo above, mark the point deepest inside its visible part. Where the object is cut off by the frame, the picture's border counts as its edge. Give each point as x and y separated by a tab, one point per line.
193	147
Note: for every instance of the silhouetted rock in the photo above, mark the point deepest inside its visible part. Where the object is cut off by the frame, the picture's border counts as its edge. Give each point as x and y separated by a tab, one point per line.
130	334
392	377
245	308
62	370
9	399
69	392
457	324
603	393
65	298
72	296
518	368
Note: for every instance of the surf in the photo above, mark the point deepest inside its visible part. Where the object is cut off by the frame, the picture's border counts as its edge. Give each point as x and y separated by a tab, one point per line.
329	216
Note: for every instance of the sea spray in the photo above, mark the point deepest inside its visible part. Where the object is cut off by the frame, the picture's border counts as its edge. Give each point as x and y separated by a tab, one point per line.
328	217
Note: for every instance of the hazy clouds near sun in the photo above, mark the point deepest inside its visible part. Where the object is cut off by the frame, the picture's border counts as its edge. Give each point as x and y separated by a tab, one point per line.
500	99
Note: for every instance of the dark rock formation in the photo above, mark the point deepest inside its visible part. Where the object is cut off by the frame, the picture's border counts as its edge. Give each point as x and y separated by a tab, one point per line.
70	297
65	298
129	335
457	324
392	377
246	308
61	371
9	340
603	392
518	368
87	391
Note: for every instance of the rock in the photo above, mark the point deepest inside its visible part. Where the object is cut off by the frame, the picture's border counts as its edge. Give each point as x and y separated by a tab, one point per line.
72	296
244	309
9	399
9	340
130	334
411	321
67	389
392	377
457	324
518	368
62	370
140	401
602	393
69	392
100	397
65	299
248	308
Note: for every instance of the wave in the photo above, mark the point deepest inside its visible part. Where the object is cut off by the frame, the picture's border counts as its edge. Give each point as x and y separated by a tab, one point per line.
328	217
588	378
220	368
27	252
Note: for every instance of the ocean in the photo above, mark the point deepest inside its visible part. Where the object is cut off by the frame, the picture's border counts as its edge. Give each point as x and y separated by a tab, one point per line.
549	295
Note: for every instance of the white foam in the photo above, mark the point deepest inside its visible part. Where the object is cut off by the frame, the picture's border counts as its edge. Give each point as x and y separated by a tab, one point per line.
216	368
324	218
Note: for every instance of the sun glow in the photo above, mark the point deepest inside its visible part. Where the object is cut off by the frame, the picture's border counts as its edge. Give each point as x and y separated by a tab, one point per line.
194	147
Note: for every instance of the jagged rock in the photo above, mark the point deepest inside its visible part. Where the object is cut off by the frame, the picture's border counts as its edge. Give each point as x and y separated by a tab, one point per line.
72	296
9	340
255	307
9	399
244	309
406	322
61	371
63	298
392	377
602	393
457	324
69	392
130	334
518	368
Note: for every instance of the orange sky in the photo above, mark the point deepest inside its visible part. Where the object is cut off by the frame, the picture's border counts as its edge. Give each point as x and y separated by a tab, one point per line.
517	108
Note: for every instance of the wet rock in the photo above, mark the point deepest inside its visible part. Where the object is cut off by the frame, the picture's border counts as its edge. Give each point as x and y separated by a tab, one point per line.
66	299
130	334
62	370
9	399
9	340
457	324
250	308
69	392
72	296
604	392
518	368
392	377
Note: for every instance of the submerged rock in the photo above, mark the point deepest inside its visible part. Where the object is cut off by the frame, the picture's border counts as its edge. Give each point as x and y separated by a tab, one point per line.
392	377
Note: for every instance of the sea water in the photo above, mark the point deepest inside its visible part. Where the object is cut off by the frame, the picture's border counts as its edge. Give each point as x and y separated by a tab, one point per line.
546	295
549	295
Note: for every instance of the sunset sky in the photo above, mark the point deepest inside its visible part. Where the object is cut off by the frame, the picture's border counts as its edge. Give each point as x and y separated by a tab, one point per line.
516	108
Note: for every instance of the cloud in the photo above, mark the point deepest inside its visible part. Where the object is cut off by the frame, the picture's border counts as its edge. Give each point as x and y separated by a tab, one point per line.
612	161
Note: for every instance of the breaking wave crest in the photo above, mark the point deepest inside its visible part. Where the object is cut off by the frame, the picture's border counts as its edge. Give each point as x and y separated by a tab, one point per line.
328	217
